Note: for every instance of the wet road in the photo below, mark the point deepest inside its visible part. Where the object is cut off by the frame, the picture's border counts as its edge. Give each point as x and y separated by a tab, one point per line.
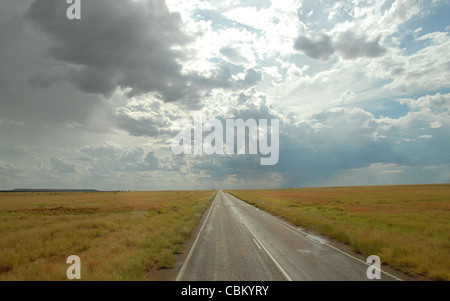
239	242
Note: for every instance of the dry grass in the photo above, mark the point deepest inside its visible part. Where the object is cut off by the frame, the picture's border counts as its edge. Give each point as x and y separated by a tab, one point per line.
117	235
407	226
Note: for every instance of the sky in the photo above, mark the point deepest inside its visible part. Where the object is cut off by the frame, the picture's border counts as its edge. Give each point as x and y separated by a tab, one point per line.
361	89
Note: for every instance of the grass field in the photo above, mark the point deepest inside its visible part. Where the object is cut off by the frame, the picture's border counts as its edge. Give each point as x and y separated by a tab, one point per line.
117	235
408	227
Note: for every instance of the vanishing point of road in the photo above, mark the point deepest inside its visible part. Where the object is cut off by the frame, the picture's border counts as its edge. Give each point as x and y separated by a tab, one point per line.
238	242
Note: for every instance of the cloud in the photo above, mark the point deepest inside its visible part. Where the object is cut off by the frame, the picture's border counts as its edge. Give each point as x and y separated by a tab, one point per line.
9	28
5	166
147	116
437	103
251	77
346	97
400	11
348	45
104	150
351	142
362	95
233	55
110	158
112	47
325	145
426	70
151	161
318	46
145	125
137	50
61	166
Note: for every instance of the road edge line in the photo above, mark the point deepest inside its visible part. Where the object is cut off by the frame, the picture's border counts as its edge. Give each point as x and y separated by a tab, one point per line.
188	258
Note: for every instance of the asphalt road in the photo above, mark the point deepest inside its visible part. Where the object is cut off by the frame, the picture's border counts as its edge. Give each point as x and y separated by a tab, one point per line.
238	242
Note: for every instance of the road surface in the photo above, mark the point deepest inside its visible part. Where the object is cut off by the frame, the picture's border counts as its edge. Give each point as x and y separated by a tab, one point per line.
238	242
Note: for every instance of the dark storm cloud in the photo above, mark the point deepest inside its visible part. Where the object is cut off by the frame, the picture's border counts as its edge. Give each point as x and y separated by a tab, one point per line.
252	76
318	46
123	44
316	150
9	28
348	45
142	126
126	44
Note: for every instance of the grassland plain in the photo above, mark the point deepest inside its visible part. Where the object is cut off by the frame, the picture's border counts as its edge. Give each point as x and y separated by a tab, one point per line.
117	235
408	227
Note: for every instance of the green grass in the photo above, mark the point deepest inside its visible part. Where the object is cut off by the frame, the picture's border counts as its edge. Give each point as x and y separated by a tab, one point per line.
118	236
408	227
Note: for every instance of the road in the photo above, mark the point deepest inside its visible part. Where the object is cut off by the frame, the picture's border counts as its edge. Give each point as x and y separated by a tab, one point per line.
238	242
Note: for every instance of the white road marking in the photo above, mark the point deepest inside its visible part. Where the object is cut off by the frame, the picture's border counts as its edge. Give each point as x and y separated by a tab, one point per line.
188	258
315	238
256	243
263	247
